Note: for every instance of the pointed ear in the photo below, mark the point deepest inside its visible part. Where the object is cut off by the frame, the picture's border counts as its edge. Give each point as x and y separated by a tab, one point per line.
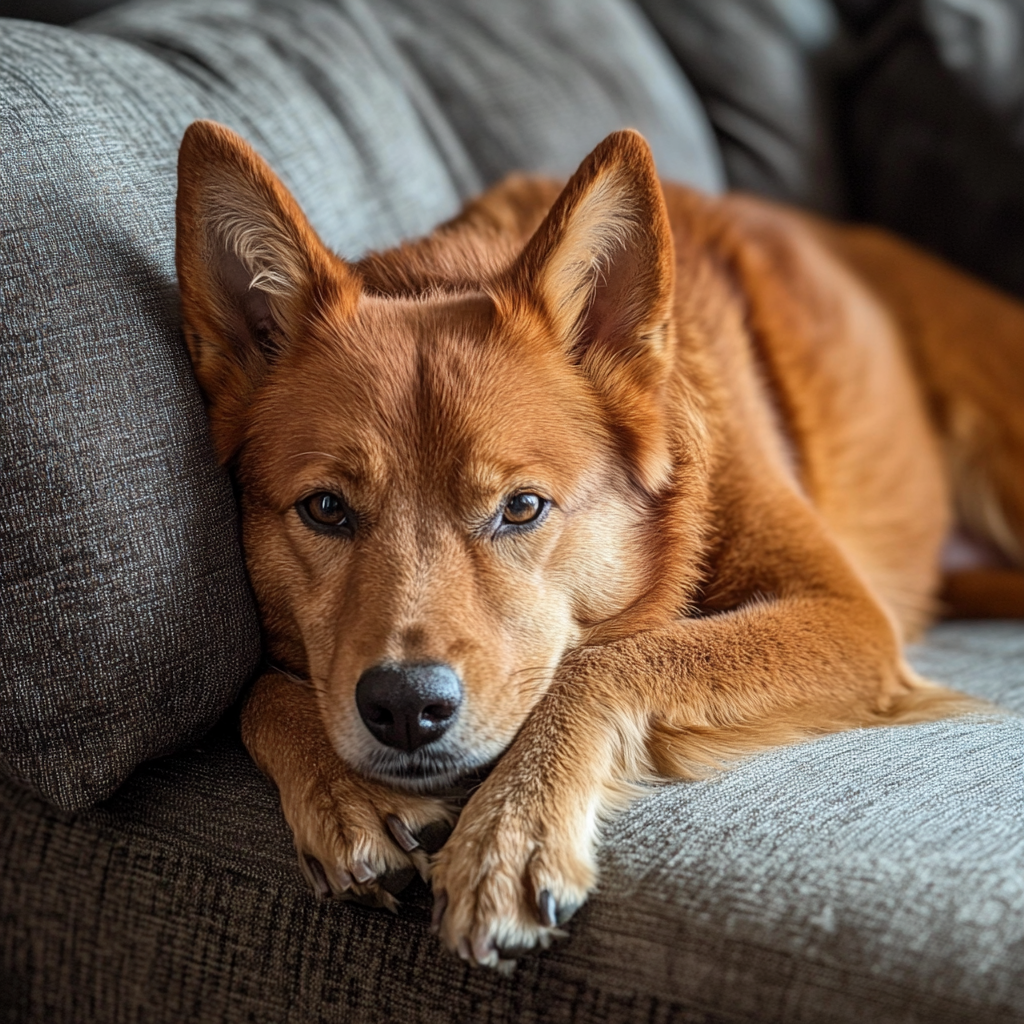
250	268
601	269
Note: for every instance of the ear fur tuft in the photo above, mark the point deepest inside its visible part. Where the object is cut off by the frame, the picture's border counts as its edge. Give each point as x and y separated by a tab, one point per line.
250	268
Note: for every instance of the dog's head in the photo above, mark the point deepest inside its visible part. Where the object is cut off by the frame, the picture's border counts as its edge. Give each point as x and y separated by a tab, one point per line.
442	493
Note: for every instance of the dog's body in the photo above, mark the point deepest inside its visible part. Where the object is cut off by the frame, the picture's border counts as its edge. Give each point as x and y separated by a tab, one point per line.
637	480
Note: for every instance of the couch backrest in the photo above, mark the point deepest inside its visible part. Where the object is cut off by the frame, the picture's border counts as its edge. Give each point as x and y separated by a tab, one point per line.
126	624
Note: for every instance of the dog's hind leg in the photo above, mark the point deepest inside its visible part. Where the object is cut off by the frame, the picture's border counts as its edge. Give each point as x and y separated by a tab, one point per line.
966	341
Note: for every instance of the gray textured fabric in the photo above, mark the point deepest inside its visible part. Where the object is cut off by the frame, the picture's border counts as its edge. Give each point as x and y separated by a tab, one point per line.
763	70
125	623
933	126
983	40
874	876
55	12
390	106
588	67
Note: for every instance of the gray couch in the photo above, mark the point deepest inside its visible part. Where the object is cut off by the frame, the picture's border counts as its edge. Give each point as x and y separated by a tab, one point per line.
146	873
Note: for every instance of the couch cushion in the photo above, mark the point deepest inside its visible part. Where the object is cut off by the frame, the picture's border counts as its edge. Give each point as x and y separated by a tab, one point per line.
56	12
875	875
126	625
932	110
763	69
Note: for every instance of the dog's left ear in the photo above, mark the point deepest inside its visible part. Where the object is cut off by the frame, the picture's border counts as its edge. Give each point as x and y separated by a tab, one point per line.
251	272
601	268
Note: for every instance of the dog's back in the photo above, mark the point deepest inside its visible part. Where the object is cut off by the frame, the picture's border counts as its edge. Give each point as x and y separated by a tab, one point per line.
866	371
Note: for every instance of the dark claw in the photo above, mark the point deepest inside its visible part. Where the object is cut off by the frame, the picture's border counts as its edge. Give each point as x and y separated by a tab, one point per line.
566	910
547	909
434	836
362	872
318	876
400	833
395	881
338	878
440	906
482	952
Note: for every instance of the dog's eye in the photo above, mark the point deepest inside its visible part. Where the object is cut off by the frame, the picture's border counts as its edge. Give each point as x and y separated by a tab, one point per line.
325	512
523	508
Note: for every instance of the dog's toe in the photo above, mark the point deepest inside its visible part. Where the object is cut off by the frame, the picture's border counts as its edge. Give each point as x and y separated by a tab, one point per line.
359	882
340	880
352	849
505	888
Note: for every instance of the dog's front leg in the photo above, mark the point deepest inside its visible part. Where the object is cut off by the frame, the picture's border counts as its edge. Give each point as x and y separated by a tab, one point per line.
667	702
354	838
522	859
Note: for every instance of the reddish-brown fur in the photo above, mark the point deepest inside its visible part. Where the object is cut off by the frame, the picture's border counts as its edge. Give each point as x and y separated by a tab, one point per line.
753	428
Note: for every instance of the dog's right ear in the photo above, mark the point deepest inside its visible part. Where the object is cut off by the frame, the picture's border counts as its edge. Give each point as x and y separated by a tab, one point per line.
601	270
251	272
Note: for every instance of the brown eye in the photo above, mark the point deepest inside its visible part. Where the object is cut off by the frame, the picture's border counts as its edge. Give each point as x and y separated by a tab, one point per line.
523	508
325	512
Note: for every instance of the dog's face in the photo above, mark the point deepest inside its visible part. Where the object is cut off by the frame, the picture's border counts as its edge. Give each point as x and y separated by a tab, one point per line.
441	495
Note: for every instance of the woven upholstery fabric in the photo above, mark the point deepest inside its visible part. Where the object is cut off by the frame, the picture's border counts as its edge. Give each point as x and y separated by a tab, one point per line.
56	12
126	625
876	875
764	71
932	114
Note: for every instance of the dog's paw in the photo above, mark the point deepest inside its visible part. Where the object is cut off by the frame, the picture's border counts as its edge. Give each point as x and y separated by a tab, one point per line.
504	883
362	841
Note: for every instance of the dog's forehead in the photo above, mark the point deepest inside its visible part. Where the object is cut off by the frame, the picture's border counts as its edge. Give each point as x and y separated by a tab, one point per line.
433	387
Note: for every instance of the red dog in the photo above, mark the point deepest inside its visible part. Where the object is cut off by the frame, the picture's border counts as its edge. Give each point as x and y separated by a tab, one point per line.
600	485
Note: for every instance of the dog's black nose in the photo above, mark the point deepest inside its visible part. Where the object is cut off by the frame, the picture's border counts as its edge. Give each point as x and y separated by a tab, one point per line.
405	706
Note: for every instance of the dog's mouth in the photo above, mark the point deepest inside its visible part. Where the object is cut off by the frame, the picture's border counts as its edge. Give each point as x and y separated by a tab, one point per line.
435	772
446	766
